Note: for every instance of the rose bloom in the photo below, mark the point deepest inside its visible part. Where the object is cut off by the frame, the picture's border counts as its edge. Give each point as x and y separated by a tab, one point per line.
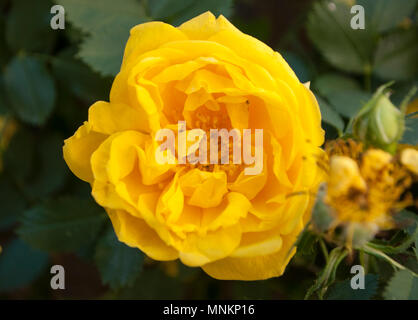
366	188
209	74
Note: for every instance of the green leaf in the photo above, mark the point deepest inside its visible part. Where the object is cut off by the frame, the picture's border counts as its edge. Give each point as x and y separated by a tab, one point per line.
20	265
396	245
410	135
103	51
76	77
119	265
108	25
12	203
91	17
330	82
163	9
402	286
401	241
298	65
343	291
307	243
330	116
378	253
69	111
411	263
383	15
396	56
30	89
62	225
348	102
217	7
18	157
28	26
179	11
38	171
50	171
152	284
330	31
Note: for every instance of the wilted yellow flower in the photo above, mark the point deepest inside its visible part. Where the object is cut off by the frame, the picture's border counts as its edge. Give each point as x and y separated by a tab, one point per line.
409	158
344	176
365	191
212	76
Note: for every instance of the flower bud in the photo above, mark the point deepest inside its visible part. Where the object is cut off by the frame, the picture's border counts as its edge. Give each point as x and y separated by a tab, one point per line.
379	123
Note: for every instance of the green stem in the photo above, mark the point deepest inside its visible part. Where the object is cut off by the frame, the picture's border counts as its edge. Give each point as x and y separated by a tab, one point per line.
364	260
327	276
393	250
380	254
324	249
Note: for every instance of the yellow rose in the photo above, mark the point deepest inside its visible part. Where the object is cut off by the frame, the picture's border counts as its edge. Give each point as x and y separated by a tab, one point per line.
209	74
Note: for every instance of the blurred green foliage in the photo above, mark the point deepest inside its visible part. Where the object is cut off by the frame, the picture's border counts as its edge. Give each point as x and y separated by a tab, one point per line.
49	78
